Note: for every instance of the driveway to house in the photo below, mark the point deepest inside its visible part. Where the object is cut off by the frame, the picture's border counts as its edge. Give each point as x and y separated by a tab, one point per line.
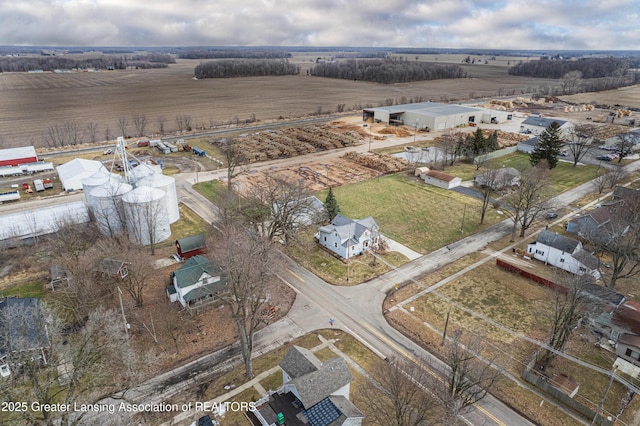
393	245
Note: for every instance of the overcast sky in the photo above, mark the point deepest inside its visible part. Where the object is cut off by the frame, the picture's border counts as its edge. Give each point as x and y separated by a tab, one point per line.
482	24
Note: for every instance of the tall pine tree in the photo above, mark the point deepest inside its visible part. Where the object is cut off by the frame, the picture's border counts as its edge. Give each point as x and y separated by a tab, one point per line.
548	147
331	205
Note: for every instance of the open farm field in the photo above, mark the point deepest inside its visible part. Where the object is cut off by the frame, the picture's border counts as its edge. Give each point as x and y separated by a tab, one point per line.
32	102
626	96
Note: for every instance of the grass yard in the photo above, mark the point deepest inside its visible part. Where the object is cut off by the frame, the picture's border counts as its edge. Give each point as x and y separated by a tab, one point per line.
309	254
562	178
420	216
34	289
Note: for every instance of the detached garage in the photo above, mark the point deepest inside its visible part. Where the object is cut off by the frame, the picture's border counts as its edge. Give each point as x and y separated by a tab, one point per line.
440	179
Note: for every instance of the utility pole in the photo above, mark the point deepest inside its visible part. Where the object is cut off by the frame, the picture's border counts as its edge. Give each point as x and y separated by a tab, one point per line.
124	318
464	212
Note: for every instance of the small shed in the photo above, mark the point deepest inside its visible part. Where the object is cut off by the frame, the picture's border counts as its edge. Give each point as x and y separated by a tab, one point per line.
440	179
57	276
191	246
112	268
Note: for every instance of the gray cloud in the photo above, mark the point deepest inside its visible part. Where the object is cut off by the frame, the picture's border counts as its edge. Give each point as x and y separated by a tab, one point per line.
517	24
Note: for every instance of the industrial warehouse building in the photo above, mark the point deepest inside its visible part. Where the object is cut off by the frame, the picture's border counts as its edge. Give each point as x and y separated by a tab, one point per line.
434	116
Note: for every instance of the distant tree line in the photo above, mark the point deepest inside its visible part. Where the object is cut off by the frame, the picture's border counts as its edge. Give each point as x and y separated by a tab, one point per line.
233	53
589	67
50	63
246	68
386	71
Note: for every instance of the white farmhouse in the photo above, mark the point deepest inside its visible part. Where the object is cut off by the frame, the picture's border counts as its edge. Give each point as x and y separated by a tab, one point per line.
347	237
564	253
197	283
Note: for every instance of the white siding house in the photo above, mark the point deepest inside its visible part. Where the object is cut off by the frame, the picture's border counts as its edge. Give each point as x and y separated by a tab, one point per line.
198	279
564	253
348	238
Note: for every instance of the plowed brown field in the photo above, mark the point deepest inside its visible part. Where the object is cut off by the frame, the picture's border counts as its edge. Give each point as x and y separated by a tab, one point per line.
32	102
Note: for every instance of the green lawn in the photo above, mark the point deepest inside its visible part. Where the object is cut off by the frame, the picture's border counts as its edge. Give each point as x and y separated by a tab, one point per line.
35	289
562	178
407	210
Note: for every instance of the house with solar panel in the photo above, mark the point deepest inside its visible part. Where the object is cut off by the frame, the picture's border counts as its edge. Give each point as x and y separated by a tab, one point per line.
197	284
314	393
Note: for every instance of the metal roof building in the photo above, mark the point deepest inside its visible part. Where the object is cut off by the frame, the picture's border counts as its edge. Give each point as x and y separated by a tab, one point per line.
433	115
73	172
15	156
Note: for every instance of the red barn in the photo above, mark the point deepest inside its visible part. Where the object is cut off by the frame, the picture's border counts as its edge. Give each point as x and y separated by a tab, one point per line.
15	156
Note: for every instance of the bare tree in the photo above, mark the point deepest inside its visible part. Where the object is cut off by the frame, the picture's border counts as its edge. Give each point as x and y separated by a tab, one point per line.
625	143
107	133
235	157
581	142
92	131
489	183
183	121
247	261
92	363
279	206
141	272
468	378
568	308
528	200
140	123
620	239
570	82
161	120
123	123
55	135
396	394
74	132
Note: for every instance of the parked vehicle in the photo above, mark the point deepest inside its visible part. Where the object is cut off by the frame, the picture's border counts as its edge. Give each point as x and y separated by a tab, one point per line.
9	196
47	183
564	153
199	152
38	185
143	142
552	215
604	158
107	152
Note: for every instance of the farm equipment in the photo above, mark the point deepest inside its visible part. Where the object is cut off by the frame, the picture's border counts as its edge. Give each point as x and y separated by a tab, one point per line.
47	183
27	188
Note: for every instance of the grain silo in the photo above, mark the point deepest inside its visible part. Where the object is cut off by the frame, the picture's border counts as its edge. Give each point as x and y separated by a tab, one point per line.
146	215
105	205
142	171
95	180
168	185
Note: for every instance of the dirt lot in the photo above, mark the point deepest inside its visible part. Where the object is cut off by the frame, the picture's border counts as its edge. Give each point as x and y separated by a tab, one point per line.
32	102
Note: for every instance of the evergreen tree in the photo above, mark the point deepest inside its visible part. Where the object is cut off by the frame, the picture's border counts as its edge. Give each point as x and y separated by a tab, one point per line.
548	147
492	141
331	205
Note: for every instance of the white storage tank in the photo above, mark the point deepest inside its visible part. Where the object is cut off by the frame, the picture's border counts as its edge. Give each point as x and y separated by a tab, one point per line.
168	185
142	171
95	180
146	215
105	205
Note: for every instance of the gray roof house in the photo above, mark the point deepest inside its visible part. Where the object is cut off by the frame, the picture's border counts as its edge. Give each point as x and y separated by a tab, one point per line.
536	125
197	284
313	393
22	329
505	177
527	146
564	253
347	237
